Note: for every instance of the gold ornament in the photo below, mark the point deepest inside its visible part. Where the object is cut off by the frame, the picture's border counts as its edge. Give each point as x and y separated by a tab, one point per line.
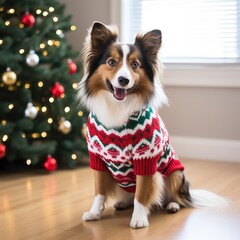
9	77
64	126
84	130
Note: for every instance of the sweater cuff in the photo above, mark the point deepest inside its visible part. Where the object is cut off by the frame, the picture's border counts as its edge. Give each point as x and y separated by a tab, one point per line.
174	165
146	166
96	163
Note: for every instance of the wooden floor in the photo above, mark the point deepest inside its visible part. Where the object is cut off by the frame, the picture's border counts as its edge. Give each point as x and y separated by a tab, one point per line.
50	206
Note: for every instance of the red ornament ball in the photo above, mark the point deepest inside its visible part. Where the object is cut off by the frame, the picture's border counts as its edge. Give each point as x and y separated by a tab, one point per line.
57	90
72	67
2	150
28	20
50	164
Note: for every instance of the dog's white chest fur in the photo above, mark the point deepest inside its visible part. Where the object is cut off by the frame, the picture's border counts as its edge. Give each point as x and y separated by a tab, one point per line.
113	113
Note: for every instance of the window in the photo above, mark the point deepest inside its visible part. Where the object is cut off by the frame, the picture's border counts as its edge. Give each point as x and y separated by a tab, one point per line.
202	31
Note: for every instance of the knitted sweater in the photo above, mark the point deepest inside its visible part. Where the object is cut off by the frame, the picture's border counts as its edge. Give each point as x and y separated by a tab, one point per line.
140	147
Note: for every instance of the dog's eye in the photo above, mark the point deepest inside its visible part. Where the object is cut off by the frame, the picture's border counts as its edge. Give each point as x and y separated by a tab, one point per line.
135	65
112	62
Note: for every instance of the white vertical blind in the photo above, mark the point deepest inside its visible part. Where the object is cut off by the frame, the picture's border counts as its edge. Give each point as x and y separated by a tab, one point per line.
193	30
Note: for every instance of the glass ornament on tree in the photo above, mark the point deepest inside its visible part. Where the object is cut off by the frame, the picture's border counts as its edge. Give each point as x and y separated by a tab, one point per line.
57	90
50	164
31	111
64	126
9	77
28	20
32	59
2	150
72	66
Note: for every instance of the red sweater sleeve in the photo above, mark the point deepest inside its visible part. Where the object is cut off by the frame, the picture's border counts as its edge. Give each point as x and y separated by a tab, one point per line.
96	163
147	146
146	166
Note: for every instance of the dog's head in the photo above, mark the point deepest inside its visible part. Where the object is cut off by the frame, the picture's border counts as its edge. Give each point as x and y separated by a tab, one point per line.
121	72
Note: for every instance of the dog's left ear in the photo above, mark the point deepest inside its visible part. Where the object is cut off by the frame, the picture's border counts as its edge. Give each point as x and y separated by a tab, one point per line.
149	43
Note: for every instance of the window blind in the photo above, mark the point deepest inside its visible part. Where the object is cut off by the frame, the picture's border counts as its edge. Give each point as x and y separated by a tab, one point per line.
192	30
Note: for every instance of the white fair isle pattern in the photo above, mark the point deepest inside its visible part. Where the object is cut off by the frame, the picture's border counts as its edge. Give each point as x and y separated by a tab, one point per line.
154	147
134	117
96	146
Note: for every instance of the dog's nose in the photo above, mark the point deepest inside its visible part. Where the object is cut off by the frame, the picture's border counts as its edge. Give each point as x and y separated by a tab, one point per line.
123	81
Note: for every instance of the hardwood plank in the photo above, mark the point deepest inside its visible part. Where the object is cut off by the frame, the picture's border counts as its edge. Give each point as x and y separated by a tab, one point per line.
50	206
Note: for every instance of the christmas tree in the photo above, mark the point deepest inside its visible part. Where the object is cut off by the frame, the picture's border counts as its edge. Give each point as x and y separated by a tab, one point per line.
40	122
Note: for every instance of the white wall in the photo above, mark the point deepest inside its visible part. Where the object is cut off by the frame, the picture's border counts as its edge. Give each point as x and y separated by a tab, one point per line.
84	13
203	118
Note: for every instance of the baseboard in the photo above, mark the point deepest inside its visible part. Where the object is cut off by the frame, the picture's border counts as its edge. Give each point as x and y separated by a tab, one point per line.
207	148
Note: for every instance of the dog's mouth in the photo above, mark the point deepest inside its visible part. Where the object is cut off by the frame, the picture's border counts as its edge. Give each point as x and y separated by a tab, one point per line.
119	93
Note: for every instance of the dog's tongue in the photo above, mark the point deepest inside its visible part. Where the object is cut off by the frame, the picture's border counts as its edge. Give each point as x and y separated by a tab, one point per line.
120	93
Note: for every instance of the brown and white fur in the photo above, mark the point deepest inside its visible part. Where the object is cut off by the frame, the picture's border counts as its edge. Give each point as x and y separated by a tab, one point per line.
118	80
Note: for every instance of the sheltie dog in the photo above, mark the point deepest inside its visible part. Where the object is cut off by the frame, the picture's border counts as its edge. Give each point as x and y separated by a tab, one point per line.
127	141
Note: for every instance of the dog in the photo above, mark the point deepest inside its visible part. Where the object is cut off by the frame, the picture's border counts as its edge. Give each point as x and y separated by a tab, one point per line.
127	140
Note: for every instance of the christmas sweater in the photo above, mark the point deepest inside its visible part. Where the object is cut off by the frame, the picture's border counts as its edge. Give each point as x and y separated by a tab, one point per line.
140	147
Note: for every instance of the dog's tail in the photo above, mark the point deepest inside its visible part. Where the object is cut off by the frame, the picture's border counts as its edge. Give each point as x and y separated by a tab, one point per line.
202	198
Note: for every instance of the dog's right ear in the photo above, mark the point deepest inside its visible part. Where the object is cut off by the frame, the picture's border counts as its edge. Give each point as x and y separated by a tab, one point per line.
102	36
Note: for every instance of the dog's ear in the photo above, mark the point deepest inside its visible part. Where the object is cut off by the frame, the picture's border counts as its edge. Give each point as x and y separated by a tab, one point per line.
149	44
102	36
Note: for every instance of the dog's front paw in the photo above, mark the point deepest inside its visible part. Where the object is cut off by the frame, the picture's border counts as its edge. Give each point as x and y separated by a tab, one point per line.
139	216
89	216
96	210
139	222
